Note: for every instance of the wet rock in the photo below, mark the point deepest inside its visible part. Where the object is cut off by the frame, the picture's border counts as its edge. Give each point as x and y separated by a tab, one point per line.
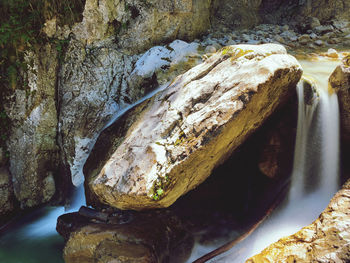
326	240
92	86
98	82
332	53
32	144
340	83
153	237
169	144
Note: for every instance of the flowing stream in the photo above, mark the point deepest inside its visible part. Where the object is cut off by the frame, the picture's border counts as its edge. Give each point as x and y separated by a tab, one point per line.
316	166
316	156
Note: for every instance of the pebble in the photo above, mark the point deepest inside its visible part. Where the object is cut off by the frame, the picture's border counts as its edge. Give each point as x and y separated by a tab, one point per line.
304	39
323	29
313	35
332	53
280	39
231	42
285	28
319	43
210	49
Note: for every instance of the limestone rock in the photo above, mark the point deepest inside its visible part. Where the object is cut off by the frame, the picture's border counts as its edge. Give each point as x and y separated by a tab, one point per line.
156	237
340	82
32	143
138	25
169	144
95	83
326	240
92	87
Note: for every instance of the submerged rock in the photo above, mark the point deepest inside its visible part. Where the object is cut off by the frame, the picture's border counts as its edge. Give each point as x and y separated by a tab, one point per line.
169	144
325	240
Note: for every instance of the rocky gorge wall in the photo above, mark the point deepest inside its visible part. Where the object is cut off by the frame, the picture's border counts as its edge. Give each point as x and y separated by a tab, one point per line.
73	94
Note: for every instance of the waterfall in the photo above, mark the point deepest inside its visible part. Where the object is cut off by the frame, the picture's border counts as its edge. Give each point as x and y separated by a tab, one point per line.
316	157
314	178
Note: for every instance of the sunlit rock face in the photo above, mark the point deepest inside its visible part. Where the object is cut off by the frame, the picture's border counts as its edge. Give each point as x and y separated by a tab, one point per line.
169	144
325	240
340	82
138	25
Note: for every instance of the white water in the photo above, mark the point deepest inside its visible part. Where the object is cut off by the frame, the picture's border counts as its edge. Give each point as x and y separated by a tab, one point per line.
315	169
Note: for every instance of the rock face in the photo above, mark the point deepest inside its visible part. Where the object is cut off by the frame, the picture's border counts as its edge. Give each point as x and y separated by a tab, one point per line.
156	237
97	83
295	11
340	82
138	25
236	14
325	240
32	143
169	144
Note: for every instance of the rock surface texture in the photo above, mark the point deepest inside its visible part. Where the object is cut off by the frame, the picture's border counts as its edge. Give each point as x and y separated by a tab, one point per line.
340	82
156	237
32	144
325	240
138	24
169	144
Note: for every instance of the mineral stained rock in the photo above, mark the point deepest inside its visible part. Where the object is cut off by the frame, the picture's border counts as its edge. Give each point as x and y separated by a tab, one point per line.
169	144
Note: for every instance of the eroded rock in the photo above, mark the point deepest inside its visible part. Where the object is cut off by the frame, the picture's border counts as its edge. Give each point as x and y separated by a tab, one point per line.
340	82
152	237
169	144
133	22
32	144
325	240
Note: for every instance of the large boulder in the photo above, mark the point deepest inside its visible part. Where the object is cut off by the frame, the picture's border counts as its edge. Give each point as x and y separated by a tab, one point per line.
325	240
95	83
154	237
169	144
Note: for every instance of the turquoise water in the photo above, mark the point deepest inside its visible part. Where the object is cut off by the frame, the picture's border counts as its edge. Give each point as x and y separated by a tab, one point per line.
32	240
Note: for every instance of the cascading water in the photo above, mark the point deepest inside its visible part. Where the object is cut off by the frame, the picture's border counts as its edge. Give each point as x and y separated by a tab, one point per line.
315	169
314	182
